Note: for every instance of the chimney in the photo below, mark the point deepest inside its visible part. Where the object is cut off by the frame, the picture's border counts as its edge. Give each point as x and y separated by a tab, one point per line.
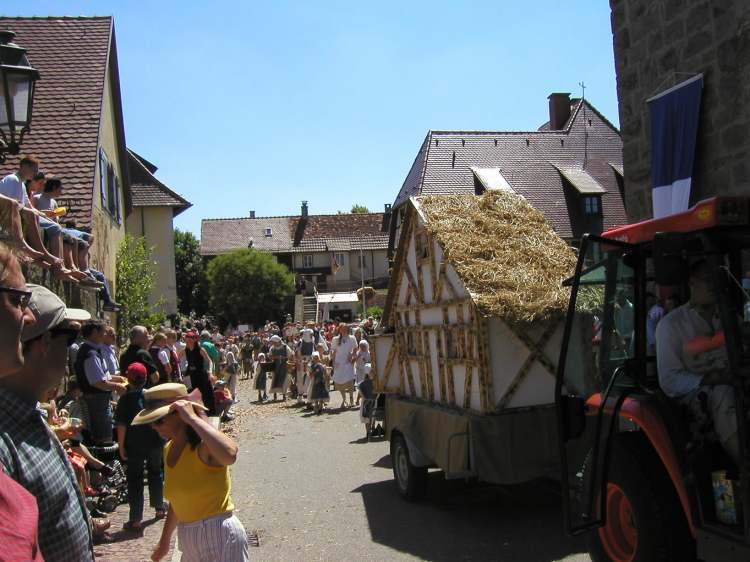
299	232
252	214
386	218
559	110
304	208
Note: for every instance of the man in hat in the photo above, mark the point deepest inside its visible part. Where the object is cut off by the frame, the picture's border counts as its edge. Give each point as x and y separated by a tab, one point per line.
29	451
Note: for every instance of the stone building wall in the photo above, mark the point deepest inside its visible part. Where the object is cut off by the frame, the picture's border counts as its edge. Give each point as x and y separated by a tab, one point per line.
658	43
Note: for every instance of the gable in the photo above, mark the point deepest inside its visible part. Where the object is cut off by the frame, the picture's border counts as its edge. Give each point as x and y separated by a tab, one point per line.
71	55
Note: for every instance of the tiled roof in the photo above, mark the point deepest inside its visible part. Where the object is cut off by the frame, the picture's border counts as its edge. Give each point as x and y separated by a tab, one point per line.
71	56
220	236
527	161
322	233
147	191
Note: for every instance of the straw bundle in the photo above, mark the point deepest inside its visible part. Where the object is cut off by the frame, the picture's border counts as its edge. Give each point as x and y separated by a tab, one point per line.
505	251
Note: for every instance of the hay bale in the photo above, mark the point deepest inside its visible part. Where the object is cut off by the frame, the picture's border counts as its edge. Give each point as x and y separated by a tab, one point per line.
505	251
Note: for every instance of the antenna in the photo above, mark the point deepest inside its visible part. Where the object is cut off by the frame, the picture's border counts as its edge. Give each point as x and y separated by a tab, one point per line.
585	130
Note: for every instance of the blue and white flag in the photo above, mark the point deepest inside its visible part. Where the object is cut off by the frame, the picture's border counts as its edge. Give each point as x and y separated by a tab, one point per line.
674	131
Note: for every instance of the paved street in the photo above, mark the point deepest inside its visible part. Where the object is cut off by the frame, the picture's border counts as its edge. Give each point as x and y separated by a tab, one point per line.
313	489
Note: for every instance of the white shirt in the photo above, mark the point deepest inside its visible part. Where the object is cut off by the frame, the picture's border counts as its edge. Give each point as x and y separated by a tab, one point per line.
680	372
179	349
343	368
307	335
163	356
12	186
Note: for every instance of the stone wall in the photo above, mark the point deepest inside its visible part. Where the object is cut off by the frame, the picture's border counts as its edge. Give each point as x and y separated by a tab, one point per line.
657	43
71	293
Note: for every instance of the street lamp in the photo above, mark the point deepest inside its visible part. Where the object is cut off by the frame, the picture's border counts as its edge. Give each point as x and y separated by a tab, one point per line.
17	78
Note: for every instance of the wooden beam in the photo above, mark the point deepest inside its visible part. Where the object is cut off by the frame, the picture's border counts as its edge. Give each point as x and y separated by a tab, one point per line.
534	355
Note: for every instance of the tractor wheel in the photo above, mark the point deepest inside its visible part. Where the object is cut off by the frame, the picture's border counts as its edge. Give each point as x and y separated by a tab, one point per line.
411	480
645	521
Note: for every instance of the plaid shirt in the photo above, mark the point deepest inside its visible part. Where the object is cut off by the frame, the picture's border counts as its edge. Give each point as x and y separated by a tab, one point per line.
34	458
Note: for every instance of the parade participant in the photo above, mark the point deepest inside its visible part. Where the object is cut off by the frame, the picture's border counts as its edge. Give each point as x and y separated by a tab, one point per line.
307	339
196	479
361	363
260	378
174	358
198	369
343	356
246	357
366	394
230	371
139	445
319	384
18	508
280	354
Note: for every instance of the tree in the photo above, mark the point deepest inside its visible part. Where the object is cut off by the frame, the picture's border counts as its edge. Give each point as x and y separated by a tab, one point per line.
135	276
359	209
190	273
248	286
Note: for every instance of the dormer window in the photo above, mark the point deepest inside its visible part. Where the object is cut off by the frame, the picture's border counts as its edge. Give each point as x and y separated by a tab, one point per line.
269	232
592	206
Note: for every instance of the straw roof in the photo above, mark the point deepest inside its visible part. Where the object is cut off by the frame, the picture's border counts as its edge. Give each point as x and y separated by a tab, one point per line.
506	253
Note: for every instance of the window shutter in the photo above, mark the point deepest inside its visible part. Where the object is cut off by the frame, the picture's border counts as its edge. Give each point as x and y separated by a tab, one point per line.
111	188
118	216
103	177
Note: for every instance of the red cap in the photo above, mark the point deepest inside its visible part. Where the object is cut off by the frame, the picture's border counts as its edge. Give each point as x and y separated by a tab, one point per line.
137	373
191	334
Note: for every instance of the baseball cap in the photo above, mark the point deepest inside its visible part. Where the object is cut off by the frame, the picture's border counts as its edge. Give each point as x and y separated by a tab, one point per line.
49	312
136	372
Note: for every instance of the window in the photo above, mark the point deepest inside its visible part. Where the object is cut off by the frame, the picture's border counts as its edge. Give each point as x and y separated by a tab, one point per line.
592	205
307	261
340	259
269	231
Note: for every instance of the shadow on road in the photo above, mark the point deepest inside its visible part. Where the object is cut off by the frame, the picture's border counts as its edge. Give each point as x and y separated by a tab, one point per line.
459	521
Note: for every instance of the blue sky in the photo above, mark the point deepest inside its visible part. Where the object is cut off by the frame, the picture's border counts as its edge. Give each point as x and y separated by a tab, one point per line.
249	105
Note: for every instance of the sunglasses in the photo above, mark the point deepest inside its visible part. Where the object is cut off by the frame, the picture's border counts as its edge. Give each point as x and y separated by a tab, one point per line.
17	297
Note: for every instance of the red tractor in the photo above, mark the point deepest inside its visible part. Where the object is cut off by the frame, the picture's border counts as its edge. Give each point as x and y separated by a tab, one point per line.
639	476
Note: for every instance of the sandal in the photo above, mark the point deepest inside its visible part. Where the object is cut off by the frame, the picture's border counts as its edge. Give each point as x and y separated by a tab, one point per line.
161	513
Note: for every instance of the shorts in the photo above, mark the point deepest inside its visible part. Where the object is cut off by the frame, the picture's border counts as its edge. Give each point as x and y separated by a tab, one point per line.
220	538
50	228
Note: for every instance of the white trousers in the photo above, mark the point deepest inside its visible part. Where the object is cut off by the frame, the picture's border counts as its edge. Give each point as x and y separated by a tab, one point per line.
221	538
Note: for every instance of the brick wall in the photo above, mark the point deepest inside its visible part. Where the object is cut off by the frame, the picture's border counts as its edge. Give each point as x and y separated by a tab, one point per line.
654	40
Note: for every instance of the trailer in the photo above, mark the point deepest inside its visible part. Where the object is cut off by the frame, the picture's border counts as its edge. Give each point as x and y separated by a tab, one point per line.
472	329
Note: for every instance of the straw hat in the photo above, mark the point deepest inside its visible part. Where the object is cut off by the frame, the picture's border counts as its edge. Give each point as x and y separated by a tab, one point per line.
160	398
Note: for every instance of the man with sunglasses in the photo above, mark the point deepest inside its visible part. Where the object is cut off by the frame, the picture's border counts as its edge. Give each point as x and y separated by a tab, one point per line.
29	451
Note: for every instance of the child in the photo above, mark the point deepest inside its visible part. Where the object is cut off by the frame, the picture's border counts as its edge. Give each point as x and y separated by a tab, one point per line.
362	360
366	393
223	400
260	378
319	384
139	444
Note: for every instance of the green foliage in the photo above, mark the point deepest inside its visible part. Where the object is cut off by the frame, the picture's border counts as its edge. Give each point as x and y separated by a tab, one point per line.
359	209
248	286
136	274
374	311
190	272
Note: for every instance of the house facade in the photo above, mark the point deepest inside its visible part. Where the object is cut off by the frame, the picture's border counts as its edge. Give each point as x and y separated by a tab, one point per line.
570	168
333	253
154	207
77	130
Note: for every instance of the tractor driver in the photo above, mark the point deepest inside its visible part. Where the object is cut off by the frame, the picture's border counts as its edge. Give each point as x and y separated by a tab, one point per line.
692	361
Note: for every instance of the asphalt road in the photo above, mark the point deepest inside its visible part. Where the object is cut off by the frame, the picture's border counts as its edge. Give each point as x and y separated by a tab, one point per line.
315	490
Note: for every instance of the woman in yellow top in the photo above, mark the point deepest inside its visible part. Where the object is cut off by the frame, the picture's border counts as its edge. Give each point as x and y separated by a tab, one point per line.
196	479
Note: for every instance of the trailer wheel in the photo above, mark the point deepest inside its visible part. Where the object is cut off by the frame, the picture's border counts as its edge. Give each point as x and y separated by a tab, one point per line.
411	480
645	521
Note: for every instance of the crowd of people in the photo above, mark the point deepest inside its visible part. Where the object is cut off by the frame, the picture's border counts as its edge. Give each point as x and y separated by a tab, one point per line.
69	405
46	235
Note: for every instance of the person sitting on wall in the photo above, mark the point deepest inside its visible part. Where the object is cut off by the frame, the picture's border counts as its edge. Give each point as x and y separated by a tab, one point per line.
694	374
34	223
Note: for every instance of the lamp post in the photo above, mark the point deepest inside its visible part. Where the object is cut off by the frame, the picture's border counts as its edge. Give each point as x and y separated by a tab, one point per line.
17	79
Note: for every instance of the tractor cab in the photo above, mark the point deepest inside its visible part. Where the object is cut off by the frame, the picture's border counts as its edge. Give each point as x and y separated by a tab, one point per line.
645	476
